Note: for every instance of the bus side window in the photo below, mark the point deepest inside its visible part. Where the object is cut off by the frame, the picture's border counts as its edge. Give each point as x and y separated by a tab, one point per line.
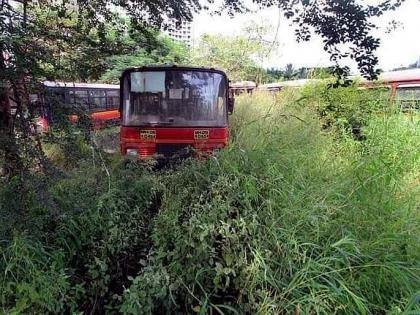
112	99
81	97
408	97
70	99
97	100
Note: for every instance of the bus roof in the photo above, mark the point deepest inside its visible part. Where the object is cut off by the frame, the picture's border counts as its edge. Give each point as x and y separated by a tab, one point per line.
291	83
171	67
56	84
408	75
243	84
401	75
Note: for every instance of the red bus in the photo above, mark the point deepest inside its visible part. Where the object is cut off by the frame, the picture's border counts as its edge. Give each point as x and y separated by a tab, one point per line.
404	86
101	102
168	110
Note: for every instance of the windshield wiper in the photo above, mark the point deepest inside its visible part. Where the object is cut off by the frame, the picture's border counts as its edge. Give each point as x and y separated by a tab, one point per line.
162	123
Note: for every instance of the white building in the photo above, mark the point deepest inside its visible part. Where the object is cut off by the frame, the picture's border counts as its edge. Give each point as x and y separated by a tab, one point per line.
180	33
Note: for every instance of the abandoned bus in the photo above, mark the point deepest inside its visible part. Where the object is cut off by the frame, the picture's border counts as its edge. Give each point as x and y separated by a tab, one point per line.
402	87
405	88
100	101
237	88
168	110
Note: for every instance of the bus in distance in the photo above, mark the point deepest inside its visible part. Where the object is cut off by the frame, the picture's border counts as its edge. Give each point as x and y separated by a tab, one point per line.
100	101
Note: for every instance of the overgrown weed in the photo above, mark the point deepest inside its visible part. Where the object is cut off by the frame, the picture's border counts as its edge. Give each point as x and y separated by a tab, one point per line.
289	219
295	216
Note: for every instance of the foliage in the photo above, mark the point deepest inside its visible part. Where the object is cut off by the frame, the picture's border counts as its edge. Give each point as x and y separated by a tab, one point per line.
82	49
233	54
345	26
39	278
288	221
290	73
289	218
347	108
84	236
241	56
166	51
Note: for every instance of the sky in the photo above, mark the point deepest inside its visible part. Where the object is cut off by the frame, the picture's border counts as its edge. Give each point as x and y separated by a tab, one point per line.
399	48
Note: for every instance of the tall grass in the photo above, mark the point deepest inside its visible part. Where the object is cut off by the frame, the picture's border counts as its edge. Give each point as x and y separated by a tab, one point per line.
295	216
288	220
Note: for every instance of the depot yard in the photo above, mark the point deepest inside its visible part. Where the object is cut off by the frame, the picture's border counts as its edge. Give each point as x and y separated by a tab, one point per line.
298	215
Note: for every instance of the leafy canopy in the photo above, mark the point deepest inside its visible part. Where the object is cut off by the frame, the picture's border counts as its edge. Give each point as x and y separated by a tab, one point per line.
165	51
232	54
241	56
340	23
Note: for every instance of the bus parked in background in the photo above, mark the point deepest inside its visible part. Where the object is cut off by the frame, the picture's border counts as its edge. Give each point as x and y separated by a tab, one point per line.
237	88
100	101
278	86
404	87
171	111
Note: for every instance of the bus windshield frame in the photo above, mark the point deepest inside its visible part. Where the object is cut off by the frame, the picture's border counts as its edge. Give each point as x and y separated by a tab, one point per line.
174	97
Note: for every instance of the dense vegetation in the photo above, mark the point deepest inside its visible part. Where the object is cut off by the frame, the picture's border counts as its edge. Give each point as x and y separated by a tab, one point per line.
297	215
80	40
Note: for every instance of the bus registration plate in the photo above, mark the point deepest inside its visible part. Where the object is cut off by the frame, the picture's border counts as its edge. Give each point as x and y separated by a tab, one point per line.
201	134
148	134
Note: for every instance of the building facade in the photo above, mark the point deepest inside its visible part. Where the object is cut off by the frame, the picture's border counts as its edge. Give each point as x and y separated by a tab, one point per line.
180	33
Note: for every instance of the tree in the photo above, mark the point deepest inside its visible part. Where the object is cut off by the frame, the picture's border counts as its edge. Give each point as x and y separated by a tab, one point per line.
290	72
273	75
82	54
241	56
413	65
232	54
166	51
265	38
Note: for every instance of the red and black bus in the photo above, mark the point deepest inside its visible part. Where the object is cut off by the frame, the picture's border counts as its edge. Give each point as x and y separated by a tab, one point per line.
169	110
100	101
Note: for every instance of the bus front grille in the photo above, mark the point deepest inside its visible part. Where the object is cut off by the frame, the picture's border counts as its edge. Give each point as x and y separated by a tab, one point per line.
174	150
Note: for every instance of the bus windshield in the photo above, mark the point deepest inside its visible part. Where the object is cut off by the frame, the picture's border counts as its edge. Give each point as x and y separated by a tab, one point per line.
175	98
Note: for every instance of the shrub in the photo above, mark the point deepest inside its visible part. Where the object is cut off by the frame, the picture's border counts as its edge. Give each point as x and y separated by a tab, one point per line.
346	108
33	279
286	220
290	218
77	248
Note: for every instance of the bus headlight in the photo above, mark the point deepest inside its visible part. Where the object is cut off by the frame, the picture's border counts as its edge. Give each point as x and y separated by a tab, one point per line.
132	152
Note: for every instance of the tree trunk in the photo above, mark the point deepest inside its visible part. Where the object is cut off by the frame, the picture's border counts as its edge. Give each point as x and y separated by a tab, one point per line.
9	156
10	161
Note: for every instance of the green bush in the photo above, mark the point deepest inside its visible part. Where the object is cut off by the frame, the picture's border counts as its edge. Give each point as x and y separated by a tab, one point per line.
33	279
91	235
289	218
348	109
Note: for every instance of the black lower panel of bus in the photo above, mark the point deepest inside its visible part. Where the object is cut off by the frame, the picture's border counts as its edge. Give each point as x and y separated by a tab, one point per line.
174	150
